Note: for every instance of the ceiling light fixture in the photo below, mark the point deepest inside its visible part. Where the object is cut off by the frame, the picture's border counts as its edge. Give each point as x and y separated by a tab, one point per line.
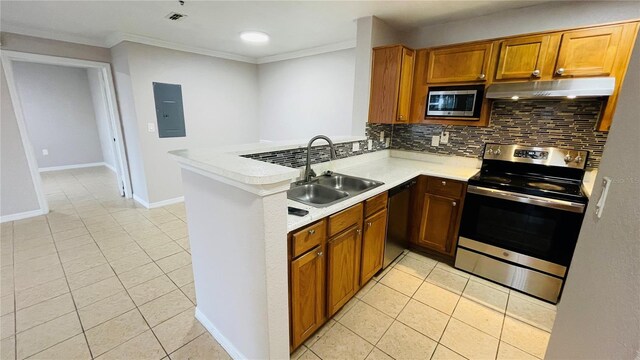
571	96
254	36
515	97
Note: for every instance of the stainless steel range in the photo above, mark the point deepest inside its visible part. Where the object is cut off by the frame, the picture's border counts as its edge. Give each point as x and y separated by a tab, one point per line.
522	216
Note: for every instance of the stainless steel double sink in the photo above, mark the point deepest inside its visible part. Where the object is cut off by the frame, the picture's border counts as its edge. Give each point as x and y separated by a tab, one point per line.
330	188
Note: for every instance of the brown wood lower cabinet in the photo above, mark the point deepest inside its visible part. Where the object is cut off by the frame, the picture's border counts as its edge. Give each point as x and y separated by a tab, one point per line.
343	267
307	295
437	208
341	259
375	231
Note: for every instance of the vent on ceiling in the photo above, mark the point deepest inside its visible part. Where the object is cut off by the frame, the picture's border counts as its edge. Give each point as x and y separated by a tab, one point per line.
174	16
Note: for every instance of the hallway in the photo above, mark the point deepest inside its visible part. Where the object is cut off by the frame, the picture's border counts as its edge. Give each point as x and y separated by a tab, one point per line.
99	276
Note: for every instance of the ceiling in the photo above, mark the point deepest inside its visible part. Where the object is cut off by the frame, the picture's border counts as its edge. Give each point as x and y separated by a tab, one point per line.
214	26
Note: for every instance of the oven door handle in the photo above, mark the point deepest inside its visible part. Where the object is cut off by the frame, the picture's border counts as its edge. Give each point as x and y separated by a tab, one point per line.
527	199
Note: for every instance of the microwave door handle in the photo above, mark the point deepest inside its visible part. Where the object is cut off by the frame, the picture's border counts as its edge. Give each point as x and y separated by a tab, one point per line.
527	199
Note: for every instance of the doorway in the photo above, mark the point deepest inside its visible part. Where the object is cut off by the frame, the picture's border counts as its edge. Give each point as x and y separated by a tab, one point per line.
111	143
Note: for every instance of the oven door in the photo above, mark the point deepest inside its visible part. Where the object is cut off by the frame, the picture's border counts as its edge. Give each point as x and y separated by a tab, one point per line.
533	227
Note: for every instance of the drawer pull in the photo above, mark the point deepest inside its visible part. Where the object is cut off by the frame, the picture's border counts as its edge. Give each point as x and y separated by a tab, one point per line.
455	203
312	231
444	183
319	253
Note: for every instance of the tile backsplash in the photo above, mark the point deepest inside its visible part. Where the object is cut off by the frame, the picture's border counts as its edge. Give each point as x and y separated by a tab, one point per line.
558	123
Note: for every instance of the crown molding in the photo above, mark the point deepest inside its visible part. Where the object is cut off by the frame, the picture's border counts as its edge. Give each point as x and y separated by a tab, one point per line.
48	34
116	38
308	52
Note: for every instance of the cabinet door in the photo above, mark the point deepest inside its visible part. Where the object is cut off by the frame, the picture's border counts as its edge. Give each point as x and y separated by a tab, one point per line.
439	216
375	231
522	58
307	295
385	78
406	84
343	265
466	63
589	52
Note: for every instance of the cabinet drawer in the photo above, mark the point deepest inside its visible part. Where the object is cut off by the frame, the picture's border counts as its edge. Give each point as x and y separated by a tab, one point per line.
308	238
444	187
375	204
344	219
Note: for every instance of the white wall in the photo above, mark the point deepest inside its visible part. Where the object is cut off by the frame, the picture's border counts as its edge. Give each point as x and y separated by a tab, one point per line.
17	193
599	313
547	16
303	97
103	123
220	100
58	113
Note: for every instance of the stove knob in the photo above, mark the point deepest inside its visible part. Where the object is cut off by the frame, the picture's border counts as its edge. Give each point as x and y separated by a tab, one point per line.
568	158
498	151
490	151
578	159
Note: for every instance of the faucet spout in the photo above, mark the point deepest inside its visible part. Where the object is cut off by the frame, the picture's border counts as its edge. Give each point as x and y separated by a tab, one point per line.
308	172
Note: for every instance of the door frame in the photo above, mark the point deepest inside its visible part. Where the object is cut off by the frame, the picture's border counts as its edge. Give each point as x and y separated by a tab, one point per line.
108	91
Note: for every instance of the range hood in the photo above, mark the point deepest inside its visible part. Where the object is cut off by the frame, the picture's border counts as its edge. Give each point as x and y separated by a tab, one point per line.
581	87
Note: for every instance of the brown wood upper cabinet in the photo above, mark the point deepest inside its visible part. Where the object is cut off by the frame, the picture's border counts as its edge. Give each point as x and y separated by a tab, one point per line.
522	58
588	52
391	81
438	205
459	64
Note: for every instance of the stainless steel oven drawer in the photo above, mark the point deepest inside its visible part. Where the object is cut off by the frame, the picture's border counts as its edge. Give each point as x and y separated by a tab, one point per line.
516	277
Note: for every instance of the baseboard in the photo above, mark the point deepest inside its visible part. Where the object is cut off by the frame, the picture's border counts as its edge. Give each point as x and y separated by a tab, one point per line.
76	166
221	339
157	204
110	167
22	215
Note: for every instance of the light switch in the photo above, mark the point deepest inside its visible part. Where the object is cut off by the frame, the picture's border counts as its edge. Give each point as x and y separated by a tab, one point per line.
444	137
369	144
45	152
151	127
435	140
381	135
355	146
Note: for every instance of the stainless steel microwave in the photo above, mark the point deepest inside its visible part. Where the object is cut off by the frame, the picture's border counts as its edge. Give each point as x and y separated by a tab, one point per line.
455	101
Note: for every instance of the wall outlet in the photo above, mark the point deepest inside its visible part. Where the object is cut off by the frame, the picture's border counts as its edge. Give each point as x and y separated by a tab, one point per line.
386	142
444	137
435	140
355	146
369	144
381	135
45	152
151	127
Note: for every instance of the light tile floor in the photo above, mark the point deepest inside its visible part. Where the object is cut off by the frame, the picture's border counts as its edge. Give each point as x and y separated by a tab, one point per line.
100	277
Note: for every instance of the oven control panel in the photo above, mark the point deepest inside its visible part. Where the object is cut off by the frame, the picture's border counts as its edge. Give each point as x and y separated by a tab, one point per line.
531	154
549	156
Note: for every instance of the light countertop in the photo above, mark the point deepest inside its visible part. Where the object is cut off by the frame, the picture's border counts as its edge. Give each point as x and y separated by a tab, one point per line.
392	171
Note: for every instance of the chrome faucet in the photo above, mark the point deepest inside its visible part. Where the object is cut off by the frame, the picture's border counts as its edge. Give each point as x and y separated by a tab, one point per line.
308	172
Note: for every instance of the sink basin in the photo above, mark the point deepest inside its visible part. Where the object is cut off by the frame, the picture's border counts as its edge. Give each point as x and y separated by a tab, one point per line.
316	195
329	189
347	183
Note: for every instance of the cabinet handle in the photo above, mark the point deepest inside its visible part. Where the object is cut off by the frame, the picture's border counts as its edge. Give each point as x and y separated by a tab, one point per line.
536	73
444	183
482	76
454	203
369	224
319	253
312	231
560	71
401	117
357	231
